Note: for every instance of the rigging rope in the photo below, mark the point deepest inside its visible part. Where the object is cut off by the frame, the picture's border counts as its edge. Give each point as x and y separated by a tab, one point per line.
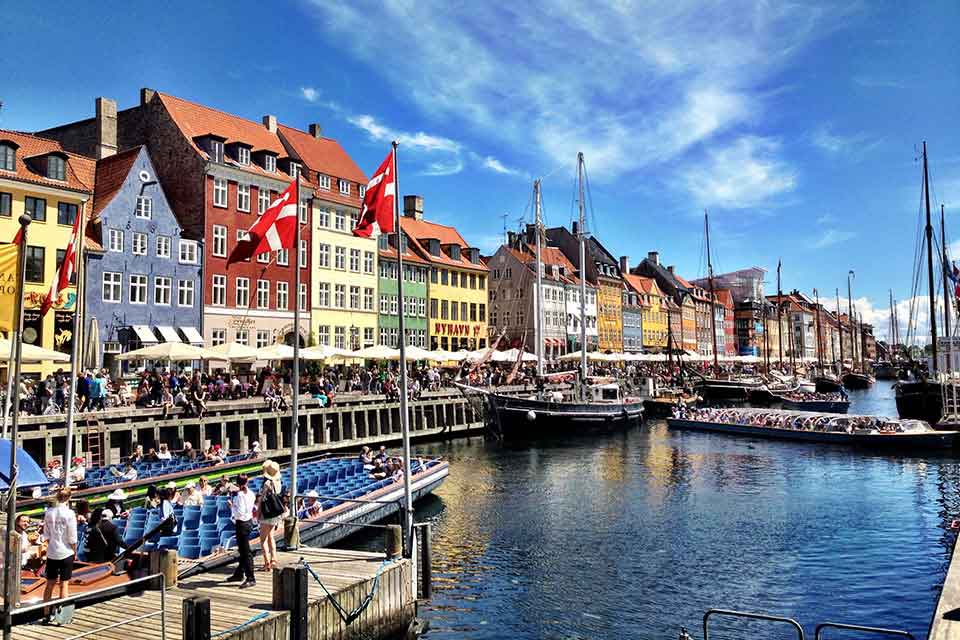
349	616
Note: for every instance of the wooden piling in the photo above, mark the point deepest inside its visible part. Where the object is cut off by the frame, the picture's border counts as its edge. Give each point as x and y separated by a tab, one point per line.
196	618
394	540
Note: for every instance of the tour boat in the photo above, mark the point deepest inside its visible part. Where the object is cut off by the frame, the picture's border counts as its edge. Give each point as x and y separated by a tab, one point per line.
822	402
864	431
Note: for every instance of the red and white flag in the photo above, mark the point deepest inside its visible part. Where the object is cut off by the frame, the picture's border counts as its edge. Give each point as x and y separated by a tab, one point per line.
378	203
66	270
276	229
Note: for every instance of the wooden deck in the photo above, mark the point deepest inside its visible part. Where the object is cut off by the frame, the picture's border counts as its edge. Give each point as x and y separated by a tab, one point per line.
349	575
945	624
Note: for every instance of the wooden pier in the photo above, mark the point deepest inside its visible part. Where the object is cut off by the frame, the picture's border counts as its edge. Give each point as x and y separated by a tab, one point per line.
258	612
945	624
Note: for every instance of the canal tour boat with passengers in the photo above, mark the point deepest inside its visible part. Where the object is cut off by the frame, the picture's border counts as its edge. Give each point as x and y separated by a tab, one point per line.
875	432
819	402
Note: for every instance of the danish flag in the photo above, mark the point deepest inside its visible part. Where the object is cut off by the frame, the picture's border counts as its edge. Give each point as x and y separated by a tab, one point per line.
66	270
276	229
378	203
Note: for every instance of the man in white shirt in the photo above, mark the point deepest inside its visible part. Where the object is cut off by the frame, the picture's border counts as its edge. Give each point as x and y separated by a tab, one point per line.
28	550
60	531
242	502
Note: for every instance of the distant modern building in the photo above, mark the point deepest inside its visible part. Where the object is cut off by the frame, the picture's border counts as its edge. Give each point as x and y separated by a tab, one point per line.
142	287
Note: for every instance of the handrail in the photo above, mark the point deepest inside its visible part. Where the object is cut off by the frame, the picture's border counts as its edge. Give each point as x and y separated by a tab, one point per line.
857	627
162	612
753	616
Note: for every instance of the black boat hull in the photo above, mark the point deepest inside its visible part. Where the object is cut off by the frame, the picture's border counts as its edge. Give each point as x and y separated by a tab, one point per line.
827	385
857	381
819	406
921	400
887	372
725	390
524	419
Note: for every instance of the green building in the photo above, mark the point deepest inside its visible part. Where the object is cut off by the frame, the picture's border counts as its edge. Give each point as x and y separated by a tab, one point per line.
416	274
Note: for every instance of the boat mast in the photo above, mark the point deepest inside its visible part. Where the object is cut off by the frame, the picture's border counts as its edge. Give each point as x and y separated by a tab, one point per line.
766	333
779	312
853	325
839	331
945	268
929	233
581	233
538	296
713	296
816	295
891	335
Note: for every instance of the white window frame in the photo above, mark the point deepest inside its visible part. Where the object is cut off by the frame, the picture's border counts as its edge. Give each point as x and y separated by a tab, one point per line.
344	187
263	338
324	181
283	295
185	293
270	163
263	294
340	220
340	258
218	290
368	299
368	261
162	286
302	211
243	156
191	251
139	247
283	257
355	260
362	189
340	296
323	218
323	294
112	283
116	240
218	337
163	246
243	197
294	169
220	192
355	297
219	247
242	336
323	256
263	199
144	209
303	254
138	288
302	298
243	287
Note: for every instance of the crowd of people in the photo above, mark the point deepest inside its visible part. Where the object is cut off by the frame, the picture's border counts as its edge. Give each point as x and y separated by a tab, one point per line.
787	420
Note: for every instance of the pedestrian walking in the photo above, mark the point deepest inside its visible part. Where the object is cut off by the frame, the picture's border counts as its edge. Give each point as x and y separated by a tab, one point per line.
241	502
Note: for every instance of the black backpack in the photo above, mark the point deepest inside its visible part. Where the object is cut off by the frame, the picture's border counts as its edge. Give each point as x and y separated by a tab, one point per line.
271	506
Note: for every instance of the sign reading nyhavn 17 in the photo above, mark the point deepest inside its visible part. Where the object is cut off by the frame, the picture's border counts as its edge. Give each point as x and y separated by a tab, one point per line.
456	329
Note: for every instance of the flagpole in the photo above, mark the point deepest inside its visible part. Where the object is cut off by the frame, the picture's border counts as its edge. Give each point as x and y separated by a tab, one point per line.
404	415
8	560
74	347
295	412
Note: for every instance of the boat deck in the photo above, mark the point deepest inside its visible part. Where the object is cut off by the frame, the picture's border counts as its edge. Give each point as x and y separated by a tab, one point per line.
349	575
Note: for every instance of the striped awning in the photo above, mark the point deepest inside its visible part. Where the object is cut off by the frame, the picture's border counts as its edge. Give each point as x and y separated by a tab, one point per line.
169	334
193	336
144	334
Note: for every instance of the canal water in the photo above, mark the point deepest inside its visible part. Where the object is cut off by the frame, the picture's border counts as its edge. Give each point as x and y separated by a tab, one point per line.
637	534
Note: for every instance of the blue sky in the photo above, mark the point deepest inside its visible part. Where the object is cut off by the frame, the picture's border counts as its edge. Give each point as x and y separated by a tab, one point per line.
796	125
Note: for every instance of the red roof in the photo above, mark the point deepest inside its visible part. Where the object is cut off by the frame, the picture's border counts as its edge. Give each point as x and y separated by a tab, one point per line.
549	256
641	284
80	170
111	174
725	298
323	155
421	230
410	255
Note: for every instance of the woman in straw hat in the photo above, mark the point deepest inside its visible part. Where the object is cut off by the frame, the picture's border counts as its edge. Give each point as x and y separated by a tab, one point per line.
268	500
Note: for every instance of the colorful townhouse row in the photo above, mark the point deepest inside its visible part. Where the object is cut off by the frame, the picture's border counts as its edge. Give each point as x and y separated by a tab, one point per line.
167	188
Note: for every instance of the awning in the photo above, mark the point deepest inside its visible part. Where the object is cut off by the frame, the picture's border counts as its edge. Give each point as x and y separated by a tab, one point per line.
169	334
29	473
193	336
144	334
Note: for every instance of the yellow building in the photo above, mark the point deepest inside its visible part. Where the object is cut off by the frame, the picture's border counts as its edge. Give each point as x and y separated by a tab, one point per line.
610	314
52	186
343	286
655	313
457	291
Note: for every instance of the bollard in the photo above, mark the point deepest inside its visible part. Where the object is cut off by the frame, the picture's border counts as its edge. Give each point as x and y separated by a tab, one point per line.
13	584
165	562
426	562
290	594
394	540
196	618
291	533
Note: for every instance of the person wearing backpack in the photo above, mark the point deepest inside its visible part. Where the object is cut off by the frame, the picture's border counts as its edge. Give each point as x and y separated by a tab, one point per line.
270	511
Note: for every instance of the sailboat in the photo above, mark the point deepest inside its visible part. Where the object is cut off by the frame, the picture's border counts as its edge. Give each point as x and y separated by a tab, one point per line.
856	378
922	396
599	406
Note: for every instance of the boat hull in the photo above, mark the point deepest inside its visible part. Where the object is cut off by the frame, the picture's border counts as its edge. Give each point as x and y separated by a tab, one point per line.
857	381
827	385
663	407
819	406
524	419
729	390
886	372
890	442
920	400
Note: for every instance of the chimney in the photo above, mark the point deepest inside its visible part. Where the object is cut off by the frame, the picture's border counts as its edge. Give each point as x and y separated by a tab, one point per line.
575	228
654	257
270	122
316	131
670	269
530	235
512	239
413	207
146	95
624	264
106	128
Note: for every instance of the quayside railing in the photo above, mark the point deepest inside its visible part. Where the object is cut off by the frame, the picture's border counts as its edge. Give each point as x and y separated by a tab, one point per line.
818	632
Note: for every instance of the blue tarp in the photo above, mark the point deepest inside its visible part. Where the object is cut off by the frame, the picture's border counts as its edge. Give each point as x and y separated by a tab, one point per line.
31	475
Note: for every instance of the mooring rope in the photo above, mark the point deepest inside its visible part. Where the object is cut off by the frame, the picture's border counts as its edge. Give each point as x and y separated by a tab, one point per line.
349	616
256	618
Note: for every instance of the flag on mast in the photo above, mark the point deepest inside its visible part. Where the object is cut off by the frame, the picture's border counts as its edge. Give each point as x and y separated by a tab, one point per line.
274	230
67	267
379	201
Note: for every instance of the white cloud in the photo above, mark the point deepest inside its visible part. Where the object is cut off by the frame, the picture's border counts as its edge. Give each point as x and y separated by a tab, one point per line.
310	94
740	175
878	315
643	86
830	237
853	146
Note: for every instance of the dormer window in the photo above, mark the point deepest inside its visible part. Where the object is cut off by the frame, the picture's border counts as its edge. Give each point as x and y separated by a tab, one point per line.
8	156
324	181
344	187
363	190
243	156
216	151
384	241
270	163
56	168
294	169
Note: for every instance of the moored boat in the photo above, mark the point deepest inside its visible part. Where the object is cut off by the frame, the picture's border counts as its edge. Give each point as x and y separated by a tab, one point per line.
827	383
819	402
665	400
825	428
858	380
886	371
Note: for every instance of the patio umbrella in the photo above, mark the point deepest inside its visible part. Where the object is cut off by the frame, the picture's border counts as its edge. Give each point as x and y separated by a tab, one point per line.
91	354
32	353
170	351
325	352
378	352
276	351
233	352
416	353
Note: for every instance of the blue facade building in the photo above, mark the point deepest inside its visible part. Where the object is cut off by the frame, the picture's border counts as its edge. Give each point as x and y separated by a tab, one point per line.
142	278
